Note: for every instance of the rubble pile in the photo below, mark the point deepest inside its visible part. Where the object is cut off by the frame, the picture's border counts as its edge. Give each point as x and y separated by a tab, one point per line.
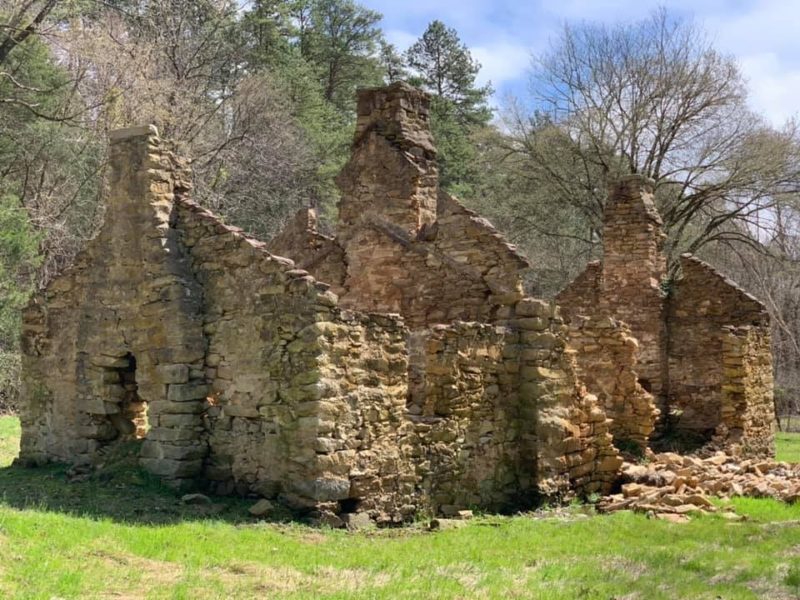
673	486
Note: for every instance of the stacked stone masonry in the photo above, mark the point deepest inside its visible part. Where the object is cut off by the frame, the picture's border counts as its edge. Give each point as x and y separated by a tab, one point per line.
606	352
683	328
747	414
394	368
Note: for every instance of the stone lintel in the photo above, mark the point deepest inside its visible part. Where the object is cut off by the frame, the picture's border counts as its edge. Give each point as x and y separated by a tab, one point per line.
130	132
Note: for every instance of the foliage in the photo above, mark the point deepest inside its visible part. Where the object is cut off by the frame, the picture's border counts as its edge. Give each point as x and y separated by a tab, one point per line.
446	68
528	204
443	66
341	39
393	63
654	97
19	258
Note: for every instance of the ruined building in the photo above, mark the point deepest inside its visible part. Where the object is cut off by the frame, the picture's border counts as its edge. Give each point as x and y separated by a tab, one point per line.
394	368
704	344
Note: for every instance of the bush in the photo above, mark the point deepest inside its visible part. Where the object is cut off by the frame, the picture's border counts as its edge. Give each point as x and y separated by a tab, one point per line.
19	259
9	382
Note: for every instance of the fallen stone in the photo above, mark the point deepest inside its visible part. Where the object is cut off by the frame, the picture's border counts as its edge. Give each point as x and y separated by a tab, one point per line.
357	521
673	518
440	524
195	499
261	508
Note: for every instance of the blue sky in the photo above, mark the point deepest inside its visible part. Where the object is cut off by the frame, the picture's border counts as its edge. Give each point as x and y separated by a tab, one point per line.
764	35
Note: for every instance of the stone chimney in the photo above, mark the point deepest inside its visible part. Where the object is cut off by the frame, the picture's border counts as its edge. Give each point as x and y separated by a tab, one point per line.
633	268
391	177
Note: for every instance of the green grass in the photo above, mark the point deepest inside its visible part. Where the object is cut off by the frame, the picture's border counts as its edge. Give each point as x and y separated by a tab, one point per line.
9	440
788	447
52	545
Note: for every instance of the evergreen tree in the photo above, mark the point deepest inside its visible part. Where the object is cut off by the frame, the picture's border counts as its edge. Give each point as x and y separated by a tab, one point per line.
267	29
444	67
447	70
341	39
393	63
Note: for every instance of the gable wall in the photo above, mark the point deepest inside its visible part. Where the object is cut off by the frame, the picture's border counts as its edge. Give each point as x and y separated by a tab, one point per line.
129	292
701	304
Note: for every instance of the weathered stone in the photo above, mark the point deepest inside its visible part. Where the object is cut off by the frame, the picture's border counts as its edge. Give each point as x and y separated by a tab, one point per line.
261	508
173	373
440	388
357	521
703	343
187	392
195	499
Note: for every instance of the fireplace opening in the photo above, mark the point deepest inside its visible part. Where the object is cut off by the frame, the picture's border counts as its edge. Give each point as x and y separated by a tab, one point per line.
131	420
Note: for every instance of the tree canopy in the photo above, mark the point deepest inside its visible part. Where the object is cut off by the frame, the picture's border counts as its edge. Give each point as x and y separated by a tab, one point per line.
261	95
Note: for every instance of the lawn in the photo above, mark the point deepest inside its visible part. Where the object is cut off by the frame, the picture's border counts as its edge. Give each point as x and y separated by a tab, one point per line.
788	447
126	537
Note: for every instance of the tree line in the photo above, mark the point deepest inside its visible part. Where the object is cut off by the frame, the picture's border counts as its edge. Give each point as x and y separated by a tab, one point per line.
261	96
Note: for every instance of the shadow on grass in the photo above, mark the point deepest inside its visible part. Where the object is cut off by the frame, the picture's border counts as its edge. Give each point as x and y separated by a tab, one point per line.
119	490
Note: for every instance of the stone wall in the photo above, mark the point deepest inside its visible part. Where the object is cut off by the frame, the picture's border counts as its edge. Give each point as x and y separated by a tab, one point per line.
702	302
310	250
500	417
747	417
261	355
117	339
239	371
571	439
364	440
678	324
582	295
605	353
466	418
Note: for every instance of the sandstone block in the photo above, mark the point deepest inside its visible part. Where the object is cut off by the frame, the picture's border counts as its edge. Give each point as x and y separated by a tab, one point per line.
186	392
261	508
173	373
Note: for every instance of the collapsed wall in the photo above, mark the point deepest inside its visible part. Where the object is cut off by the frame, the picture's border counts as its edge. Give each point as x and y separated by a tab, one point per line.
405	246
606	356
747	413
680	325
702	305
634	267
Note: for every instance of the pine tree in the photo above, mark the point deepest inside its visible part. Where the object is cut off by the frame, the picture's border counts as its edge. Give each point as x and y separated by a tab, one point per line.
444	67
447	70
342	38
393	63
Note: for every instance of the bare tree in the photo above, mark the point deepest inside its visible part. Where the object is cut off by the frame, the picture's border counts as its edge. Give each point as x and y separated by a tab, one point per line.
177	64
655	98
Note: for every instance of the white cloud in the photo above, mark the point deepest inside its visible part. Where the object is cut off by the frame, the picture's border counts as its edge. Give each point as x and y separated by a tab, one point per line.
401	39
762	34
501	62
764	40
774	89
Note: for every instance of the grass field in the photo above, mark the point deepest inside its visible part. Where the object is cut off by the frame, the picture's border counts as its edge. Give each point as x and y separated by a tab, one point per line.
788	447
126	537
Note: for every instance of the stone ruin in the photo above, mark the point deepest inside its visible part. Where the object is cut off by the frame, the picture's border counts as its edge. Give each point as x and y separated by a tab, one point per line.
394	369
704	344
